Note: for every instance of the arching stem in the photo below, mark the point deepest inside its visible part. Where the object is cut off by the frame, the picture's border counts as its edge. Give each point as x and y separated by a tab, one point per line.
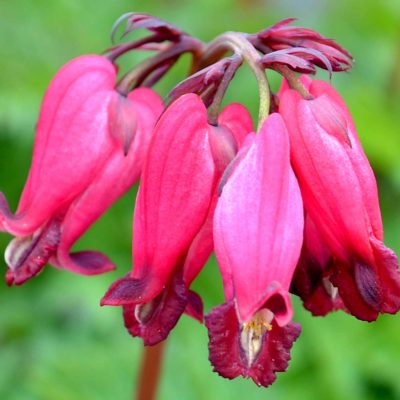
238	43
213	110
293	80
137	75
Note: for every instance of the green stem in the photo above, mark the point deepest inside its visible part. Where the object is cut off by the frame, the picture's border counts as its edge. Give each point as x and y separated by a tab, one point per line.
238	43
293	80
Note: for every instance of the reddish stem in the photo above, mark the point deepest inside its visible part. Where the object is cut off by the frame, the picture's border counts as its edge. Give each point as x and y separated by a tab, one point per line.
150	372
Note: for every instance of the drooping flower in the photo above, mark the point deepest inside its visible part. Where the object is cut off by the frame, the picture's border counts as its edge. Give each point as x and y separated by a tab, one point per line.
173	215
258	227
89	148
311	281
340	195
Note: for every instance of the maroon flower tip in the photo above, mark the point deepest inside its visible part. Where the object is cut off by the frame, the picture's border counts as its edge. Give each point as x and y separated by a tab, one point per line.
152	321
298	59
194	307
280	37
206	79
125	291
27	256
252	351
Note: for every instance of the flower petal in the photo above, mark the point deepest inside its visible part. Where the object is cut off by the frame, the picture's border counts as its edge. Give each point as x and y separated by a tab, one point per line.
226	354
258	214
118	175
175	191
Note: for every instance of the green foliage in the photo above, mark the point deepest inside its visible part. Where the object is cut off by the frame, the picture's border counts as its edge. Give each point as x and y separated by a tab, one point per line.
55	340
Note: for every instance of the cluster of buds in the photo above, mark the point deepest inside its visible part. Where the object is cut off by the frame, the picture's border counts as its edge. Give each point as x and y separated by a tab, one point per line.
288	207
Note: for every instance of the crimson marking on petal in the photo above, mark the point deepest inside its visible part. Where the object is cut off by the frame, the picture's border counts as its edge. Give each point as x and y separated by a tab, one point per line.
368	285
152	321
122	121
343	279
272	354
26	257
389	276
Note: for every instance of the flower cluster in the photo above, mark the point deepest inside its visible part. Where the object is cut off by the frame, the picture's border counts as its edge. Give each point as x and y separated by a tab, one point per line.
288	207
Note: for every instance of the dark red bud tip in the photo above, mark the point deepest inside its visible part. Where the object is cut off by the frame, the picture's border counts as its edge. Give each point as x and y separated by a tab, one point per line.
27	256
317	49
253	353
153	320
125	291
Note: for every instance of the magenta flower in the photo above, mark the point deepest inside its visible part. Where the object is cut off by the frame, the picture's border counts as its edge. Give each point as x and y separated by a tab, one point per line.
173	215
340	195
89	149
258	228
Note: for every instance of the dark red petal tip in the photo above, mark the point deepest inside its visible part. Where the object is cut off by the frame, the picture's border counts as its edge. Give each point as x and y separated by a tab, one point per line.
389	276
368	290
311	282
152	321
194	307
270	352
27	256
89	263
343	278
124	291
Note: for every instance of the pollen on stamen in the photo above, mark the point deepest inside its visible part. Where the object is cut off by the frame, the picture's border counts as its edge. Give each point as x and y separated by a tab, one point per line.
252	334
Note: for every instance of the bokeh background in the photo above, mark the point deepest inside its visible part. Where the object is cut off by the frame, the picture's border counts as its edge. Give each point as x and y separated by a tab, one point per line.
55	340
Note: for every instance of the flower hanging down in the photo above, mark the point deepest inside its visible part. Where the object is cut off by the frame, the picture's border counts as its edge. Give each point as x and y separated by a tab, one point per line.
258	236
291	208
173	215
89	148
340	196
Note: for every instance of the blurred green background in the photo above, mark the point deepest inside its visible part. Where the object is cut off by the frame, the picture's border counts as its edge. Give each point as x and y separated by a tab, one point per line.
55	340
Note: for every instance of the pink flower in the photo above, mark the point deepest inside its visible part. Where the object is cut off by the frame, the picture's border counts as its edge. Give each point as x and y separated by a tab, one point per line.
258	227
173	215
311	281
89	148
340	195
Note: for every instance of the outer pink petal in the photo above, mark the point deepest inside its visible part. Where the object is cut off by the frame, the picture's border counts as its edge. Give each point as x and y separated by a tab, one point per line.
175	192
258	215
118	175
330	186
72	140
358	158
